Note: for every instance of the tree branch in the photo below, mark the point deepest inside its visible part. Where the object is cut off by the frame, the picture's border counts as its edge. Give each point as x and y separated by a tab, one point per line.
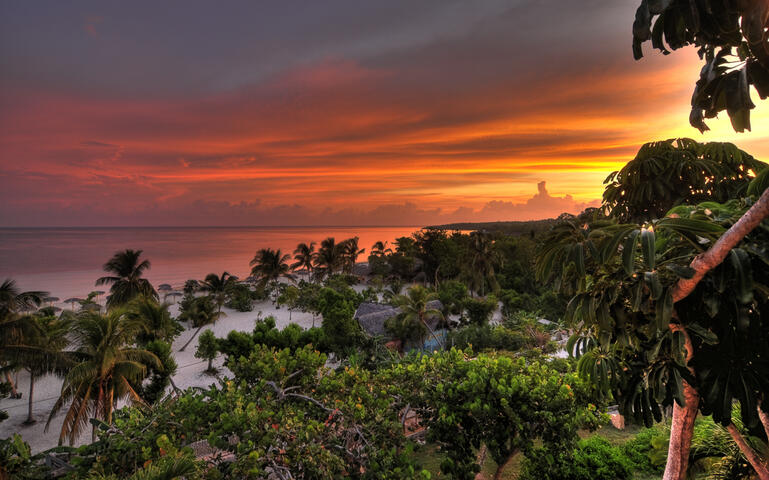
710	259
755	461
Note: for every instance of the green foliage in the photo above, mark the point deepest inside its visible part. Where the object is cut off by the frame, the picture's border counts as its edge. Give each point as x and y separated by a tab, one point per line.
342	332
238	344
730	36
679	171
286	411
156	321
453	294
593	459
486	337
503	403
199	311
241	298
208	348
15	458
480	310
159	376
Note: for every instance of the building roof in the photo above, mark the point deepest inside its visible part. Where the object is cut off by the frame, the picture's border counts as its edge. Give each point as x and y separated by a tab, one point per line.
372	316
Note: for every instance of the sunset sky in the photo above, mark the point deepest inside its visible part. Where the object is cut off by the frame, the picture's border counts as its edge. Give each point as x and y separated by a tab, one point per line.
328	112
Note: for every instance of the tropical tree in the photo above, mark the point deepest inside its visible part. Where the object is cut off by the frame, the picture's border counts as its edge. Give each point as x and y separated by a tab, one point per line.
381	249
674	172
731	37
269	265
14	300
208	349
46	353
484	258
16	329
304	256
106	368
126	280
199	312
329	258
683	329
217	287
350	252
415	310
155	319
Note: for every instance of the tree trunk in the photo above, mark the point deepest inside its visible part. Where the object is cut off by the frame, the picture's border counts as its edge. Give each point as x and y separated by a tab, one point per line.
210	366
192	338
764	417
14	393
502	466
682	426
758	464
30	419
480	460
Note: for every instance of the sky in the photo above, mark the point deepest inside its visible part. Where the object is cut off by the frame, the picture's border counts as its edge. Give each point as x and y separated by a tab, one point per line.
328	113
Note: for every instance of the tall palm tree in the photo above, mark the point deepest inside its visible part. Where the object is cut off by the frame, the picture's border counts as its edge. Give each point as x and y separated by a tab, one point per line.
47	354
15	329
304	255
217	287
414	308
270	265
350	253
201	312
126	280
484	259
329	257
155	319
106	368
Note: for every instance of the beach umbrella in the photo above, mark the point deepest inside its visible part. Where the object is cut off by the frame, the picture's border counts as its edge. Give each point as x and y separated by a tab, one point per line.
51	299
164	287
73	301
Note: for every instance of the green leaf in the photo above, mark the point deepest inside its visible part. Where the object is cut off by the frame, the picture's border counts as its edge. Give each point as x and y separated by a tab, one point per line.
706	335
628	251
653	281
648	248
740	263
664	310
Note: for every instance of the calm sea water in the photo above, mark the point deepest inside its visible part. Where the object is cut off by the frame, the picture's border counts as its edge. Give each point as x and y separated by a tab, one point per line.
67	261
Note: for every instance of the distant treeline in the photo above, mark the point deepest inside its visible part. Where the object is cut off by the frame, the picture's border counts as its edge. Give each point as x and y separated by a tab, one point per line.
509	228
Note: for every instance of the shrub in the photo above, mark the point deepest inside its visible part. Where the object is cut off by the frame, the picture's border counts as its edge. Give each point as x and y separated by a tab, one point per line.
207	348
593	459
486	337
479	310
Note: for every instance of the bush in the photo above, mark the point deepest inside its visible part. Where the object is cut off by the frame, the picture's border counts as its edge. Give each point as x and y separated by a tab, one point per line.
593	459
207	348
241	344
240	298
486	337
342	332
479	310
452	295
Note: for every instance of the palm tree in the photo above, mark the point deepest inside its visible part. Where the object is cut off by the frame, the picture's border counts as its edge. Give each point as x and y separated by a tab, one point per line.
329	257
350	253
107	367
217	287
414	308
127	282
484	258
14	300
304	255
380	249
201	312
15	329
47	355
269	265
156	320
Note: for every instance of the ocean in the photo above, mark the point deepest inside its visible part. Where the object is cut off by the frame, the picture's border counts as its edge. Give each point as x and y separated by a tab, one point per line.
67	261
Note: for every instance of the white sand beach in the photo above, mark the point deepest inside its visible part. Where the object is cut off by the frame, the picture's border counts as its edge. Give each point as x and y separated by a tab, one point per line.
189	374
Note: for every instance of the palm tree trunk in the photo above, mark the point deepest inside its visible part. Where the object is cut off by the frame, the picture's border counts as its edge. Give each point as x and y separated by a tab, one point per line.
30	419
192	338
14	393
